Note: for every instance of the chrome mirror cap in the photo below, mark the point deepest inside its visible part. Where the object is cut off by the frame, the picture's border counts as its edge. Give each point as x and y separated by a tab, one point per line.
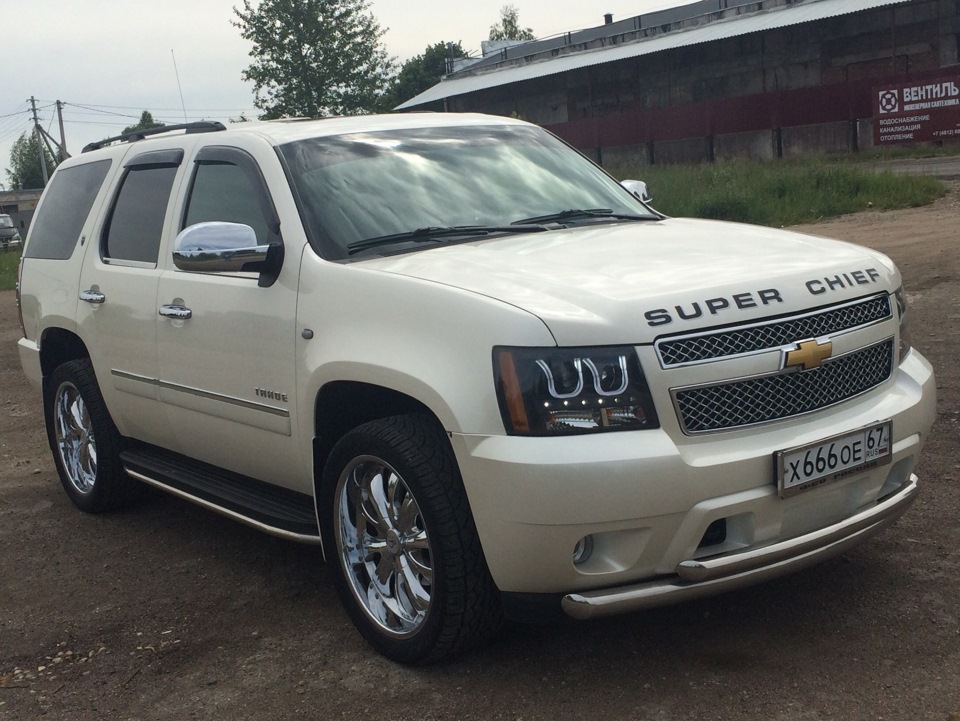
218	247
637	188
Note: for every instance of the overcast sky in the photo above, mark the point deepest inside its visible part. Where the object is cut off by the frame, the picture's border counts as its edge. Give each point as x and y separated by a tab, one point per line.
109	60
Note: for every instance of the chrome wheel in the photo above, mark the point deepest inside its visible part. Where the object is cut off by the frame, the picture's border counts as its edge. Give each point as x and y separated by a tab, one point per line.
74	436
383	545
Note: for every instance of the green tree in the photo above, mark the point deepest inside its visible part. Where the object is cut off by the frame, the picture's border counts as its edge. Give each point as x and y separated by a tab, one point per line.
313	58
420	73
509	26
25	171
146	122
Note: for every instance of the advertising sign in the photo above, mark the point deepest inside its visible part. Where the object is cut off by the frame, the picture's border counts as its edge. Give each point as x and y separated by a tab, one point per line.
917	112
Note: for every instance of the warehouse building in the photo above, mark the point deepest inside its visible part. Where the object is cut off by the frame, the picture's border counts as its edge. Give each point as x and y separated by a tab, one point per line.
727	78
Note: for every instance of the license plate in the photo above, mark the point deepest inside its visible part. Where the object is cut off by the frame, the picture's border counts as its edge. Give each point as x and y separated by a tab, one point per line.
805	467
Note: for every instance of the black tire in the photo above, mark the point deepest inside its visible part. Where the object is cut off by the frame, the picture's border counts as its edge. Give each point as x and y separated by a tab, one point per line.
419	590
85	442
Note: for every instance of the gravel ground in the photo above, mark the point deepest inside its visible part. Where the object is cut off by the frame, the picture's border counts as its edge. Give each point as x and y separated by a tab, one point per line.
171	612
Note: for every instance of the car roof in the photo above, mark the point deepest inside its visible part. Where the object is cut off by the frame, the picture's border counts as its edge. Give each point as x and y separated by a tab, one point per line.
279	132
286	131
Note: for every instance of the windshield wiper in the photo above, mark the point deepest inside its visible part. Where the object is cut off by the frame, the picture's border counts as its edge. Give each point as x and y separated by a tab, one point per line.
579	214
433	233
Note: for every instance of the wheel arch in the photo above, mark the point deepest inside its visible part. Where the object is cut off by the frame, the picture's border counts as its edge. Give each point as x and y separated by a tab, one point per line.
341	406
59	346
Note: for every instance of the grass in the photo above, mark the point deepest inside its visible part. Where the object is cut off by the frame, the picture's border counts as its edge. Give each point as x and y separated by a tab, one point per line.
779	193
896	152
8	269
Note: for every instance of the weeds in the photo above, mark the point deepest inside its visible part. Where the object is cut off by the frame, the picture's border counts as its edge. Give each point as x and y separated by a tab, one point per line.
8	269
779	193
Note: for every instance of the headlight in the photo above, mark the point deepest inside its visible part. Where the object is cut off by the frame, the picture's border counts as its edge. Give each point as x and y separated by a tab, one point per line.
548	391
905	342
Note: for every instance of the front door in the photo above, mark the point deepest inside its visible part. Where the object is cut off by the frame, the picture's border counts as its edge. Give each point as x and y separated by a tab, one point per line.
227	372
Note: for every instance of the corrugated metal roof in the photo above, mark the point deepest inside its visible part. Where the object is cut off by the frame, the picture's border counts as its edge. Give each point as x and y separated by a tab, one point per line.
717	30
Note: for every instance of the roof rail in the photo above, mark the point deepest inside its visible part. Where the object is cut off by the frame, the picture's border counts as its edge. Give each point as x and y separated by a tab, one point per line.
203	126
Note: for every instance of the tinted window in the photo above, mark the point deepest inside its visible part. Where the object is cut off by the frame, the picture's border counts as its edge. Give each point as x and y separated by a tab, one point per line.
223	191
66	205
136	222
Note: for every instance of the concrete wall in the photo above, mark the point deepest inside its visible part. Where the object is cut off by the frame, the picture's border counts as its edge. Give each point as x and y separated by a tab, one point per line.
756	145
624	156
816	139
682	152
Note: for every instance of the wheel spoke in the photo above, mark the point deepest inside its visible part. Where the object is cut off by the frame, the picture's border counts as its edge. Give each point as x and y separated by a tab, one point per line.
407	517
418	542
376	506
413	586
384	569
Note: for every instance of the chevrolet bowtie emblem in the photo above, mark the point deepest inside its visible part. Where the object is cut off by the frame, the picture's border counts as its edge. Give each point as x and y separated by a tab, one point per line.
808	355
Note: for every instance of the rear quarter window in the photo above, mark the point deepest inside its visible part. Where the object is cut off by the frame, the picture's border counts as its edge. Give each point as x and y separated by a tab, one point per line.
66	205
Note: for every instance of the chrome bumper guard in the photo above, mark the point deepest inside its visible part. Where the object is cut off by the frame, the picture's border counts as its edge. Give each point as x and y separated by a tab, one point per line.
704	577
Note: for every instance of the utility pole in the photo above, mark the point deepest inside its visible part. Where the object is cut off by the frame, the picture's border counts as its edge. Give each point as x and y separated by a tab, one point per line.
63	138
38	132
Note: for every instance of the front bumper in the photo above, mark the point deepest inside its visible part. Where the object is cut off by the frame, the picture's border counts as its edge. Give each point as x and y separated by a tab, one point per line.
648	500
697	578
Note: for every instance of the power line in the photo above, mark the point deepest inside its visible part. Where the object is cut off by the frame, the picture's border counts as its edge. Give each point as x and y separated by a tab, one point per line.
90	106
102	112
25	111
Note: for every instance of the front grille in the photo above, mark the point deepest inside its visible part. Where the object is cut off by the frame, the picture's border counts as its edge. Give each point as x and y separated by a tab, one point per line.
748	339
782	395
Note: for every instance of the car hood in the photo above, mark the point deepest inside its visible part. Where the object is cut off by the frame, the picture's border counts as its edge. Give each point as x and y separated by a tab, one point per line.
631	282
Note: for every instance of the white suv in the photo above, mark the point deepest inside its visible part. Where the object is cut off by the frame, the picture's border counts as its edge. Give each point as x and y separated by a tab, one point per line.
483	376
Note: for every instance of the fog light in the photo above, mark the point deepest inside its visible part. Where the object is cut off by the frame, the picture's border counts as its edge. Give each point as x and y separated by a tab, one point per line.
583	550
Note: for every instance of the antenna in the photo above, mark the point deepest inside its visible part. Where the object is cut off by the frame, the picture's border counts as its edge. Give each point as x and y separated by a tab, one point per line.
177	73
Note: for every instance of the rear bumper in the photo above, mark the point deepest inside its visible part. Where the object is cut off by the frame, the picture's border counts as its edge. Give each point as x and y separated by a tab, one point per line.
704	577
30	361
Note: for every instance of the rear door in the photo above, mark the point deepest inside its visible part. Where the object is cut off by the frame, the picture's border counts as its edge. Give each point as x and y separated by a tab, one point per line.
118	292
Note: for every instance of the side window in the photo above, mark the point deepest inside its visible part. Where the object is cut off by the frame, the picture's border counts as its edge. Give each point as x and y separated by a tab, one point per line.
66	205
135	226
228	186
224	191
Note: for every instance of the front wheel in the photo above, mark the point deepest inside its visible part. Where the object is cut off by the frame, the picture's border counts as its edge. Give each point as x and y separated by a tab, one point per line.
411	572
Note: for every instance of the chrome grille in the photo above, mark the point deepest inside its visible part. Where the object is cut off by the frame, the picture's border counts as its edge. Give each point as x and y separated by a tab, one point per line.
781	395
748	339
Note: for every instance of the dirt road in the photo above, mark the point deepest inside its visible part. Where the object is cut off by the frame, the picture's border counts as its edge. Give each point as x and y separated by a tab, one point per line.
172	612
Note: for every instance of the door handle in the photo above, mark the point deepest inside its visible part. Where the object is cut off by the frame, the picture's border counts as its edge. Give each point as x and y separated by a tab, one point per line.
92	296
177	312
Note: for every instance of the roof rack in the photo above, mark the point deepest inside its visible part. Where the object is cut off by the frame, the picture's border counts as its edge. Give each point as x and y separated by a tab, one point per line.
203	126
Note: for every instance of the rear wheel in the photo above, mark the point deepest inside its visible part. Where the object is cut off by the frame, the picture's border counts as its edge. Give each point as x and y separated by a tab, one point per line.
86	444
411	573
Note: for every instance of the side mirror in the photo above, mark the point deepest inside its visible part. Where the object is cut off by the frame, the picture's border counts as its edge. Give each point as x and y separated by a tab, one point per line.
219	247
638	189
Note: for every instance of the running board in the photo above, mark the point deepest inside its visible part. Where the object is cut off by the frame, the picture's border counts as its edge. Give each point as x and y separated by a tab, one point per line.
272	509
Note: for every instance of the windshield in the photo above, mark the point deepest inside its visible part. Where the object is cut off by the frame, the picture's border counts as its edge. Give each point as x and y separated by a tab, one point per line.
358	187
5	221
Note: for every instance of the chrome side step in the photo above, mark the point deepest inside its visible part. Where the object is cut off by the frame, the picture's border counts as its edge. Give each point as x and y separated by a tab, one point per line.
271	509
